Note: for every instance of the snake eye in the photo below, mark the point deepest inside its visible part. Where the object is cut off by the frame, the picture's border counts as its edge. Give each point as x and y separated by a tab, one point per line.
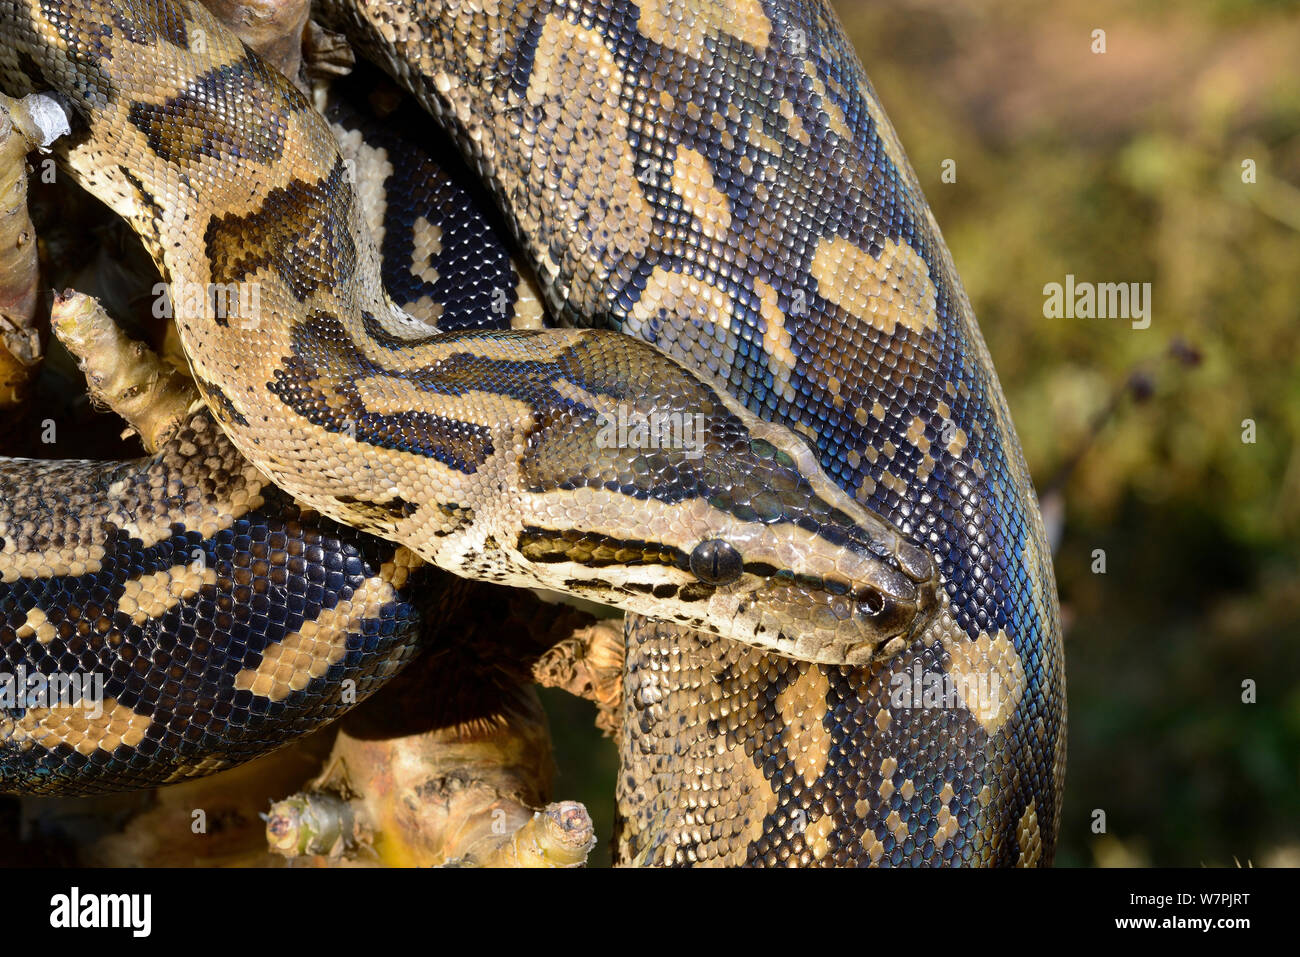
716	562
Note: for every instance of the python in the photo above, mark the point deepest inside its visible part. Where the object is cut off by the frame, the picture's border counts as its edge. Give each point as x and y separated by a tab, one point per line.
674	173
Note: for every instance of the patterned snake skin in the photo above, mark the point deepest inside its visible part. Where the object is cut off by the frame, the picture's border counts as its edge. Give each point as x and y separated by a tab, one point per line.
716	179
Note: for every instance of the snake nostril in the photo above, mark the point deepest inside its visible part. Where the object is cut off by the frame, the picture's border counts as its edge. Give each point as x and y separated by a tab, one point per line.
871	602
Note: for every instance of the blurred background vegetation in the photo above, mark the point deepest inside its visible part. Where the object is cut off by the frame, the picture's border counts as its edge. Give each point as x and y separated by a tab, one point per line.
1126	166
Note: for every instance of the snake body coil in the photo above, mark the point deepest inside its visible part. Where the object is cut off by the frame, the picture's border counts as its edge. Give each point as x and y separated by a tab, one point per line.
849	526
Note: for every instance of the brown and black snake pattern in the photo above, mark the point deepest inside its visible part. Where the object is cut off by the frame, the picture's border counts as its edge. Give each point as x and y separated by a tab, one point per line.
719	180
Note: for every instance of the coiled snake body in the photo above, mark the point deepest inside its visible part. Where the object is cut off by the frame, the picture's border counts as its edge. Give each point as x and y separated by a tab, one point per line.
847	526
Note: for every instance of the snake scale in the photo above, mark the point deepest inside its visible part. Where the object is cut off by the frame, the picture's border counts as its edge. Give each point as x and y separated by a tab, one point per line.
842	629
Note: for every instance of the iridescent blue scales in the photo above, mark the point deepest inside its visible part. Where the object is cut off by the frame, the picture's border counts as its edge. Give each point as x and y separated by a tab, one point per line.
190	618
719	180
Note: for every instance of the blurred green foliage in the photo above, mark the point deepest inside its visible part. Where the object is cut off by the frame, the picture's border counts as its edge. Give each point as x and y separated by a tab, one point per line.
1127	166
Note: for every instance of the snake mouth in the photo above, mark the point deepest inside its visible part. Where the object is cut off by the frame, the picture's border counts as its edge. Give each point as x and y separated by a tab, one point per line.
842	623
900	594
911	598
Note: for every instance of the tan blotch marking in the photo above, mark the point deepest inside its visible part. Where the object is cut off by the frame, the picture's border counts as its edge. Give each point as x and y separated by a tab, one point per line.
887	292
1029	837
924	470
834	118
427	240
817	836
606	405
38	625
957	444
896	827
74	726
916	434
77	560
149	596
683	24
307	654
891	481
948	826
426	355
390	395
797	131
693	181
398	569
582	154
683	303
873	846
834	387
427	309
776	340
989	676
887	768
370	169
530	311
802	706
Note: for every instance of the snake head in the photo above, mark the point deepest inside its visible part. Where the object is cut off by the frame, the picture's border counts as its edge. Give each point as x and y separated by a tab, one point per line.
647	488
